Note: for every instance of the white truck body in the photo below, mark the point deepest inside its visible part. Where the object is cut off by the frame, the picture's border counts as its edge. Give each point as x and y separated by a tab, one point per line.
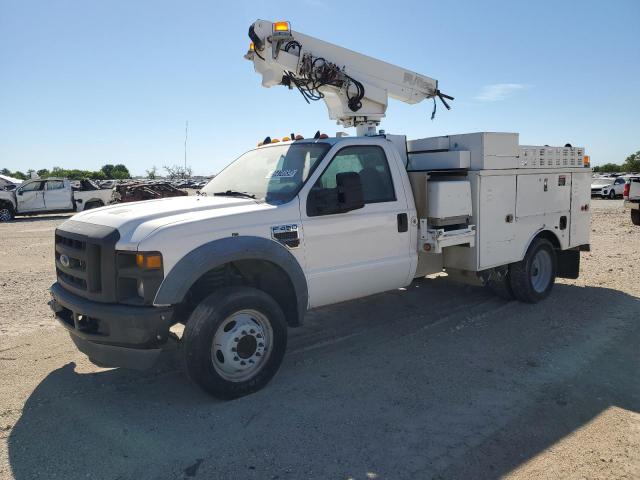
361	252
302	223
49	196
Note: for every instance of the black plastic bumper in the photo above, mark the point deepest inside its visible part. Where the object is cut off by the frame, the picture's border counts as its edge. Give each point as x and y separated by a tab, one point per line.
113	335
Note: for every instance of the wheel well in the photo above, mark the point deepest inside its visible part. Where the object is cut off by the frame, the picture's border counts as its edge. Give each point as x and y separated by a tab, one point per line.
260	274
6	203
550	236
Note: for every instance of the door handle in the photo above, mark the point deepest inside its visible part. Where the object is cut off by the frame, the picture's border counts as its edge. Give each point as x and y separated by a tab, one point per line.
403	223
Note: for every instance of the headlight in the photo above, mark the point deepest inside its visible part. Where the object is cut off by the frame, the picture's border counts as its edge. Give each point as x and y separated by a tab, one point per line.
149	260
139	276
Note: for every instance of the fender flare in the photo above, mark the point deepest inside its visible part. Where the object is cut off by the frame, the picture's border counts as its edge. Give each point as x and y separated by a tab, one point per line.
219	252
536	234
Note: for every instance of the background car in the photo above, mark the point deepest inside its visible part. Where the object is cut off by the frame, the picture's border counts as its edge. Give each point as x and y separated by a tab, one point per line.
608	187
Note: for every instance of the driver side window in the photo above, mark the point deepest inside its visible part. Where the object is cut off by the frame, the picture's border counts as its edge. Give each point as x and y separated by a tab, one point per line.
370	162
32	187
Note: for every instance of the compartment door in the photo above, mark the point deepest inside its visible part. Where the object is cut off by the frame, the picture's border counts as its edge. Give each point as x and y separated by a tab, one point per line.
580	218
497	225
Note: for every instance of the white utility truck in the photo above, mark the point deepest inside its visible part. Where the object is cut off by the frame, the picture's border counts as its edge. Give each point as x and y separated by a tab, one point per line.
51	195
631	197
301	223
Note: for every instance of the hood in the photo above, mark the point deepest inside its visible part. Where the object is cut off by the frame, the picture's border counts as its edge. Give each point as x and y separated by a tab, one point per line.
137	220
601	184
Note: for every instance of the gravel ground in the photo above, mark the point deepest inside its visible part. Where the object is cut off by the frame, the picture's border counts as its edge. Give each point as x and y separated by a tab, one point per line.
436	381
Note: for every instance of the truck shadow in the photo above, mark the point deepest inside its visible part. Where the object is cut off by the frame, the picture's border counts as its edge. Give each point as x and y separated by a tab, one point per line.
448	388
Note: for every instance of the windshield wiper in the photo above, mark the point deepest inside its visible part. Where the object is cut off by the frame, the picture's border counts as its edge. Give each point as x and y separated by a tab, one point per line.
234	193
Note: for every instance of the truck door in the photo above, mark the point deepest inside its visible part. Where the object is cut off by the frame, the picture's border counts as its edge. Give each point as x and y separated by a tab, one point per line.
30	197
56	196
364	251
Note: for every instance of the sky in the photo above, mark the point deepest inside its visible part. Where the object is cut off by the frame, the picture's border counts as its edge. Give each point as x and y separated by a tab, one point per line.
84	83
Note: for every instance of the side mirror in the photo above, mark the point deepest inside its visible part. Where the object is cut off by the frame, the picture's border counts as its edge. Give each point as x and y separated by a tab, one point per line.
349	187
345	197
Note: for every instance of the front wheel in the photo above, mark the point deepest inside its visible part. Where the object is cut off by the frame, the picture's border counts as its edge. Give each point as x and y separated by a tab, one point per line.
532	279
234	342
6	213
612	195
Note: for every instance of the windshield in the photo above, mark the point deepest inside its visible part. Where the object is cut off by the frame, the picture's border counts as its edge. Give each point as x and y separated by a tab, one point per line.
603	181
272	174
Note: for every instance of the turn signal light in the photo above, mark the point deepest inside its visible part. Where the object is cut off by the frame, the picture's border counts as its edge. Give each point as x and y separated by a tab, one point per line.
149	261
285	139
281	27
252	47
274	140
586	161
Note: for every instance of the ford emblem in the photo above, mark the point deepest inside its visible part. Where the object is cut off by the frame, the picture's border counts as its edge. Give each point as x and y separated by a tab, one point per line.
64	260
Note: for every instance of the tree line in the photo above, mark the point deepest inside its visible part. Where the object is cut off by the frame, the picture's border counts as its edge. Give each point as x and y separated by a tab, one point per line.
107	172
631	164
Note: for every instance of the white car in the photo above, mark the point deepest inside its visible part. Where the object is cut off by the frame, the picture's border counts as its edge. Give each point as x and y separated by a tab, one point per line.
608	187
51	195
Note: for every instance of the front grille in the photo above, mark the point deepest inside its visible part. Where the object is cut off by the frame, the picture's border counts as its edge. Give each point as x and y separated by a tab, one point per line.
85	259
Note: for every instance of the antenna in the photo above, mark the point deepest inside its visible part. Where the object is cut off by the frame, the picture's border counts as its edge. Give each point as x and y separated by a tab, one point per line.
186	132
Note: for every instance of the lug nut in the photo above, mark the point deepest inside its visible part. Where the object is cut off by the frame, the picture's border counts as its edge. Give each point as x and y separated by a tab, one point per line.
233	349
236	359
259	335
252	331
236	339
243	363
261	344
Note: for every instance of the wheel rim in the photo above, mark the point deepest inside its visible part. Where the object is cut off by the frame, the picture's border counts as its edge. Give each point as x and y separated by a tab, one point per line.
541	271
5	215
241	346
612	194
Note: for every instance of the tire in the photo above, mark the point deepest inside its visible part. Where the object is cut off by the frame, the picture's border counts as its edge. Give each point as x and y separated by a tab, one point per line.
635	217
91	205
501	288
532	279
6	213
235	319
612	195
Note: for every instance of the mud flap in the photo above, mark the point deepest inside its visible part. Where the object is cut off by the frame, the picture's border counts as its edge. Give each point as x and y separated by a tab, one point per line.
568	263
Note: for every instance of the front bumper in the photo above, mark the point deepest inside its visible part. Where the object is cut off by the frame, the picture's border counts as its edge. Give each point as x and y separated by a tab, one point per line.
113	335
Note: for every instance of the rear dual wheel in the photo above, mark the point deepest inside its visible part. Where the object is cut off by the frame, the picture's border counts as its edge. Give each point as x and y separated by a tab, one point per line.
533	278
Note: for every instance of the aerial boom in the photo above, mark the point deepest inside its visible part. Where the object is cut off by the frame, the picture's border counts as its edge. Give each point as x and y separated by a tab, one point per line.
355	87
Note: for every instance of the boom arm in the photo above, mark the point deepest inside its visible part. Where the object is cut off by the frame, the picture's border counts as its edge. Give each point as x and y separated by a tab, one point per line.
355	87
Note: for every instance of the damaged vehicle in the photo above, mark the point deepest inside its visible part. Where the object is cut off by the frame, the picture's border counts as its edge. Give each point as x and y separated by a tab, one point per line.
52	195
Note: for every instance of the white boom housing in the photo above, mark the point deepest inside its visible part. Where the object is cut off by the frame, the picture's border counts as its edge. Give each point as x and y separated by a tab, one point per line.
278	55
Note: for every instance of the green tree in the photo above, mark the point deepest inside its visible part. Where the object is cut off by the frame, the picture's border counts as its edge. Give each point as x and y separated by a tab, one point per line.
632	163
121	172
43	173
608	168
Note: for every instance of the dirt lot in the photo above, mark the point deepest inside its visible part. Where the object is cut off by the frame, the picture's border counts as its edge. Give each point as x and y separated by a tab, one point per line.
436	381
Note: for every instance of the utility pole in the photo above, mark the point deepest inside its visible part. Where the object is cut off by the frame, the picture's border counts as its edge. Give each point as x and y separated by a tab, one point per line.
186	132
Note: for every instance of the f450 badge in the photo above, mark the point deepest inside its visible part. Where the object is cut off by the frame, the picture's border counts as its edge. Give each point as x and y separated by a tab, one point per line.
286	235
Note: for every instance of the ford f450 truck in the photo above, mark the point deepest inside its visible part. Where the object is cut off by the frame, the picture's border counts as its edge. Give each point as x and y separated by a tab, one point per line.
301	223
